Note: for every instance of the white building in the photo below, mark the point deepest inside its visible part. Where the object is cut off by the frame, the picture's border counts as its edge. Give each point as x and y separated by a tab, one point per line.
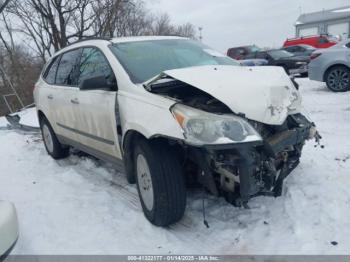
333	22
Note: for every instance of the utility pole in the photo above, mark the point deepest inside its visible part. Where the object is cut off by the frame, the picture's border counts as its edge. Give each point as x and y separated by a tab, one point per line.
200	33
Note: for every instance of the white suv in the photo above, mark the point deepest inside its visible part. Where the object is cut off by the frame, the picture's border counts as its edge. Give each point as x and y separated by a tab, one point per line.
173	112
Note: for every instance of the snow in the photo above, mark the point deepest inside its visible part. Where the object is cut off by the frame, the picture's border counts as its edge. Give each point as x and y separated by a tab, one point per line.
341	10
80	205
3	122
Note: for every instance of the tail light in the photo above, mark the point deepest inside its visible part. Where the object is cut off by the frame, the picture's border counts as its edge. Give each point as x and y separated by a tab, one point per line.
314	56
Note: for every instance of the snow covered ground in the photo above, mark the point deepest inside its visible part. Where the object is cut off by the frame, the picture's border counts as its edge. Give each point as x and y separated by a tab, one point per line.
82	206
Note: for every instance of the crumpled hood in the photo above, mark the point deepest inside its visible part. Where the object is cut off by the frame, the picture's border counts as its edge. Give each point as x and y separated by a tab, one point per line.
264	94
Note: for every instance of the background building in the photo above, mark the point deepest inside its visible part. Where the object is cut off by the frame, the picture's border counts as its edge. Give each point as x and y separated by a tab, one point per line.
334	22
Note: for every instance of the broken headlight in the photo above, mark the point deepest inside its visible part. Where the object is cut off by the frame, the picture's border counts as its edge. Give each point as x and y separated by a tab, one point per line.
202	128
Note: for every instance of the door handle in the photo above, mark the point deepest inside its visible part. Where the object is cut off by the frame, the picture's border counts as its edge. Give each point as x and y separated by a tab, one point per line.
50	97
74	101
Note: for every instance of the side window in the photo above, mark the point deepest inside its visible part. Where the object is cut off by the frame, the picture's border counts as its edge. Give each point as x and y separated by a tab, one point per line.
67	73
298	49
94	63
323	40
289	49
261	56
50	73
250	56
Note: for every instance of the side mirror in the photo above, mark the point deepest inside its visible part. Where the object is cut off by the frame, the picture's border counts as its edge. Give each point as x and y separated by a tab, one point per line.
97	83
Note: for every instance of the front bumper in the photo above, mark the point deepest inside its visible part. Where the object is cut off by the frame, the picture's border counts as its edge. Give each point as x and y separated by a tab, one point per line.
315	73
242	171
8	227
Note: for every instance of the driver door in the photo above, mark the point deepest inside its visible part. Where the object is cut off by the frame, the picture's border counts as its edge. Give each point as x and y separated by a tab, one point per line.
97	127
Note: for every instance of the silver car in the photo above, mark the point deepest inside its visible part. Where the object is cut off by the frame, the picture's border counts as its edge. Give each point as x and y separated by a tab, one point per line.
332	66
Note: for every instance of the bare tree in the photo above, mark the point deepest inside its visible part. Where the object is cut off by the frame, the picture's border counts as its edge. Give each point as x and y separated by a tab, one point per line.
32	30
3	4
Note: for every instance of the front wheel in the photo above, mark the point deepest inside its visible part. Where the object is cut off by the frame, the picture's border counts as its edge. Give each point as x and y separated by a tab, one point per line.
160	182
338	79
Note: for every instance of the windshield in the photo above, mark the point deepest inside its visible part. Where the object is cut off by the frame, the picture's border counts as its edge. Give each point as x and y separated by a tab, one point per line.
277	54
143	60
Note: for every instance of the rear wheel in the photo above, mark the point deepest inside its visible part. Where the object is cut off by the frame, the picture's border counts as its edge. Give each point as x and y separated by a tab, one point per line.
338	79
160	182
52	145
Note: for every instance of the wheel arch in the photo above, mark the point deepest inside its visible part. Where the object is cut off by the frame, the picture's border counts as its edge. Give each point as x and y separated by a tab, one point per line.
41	115
331	67
128	142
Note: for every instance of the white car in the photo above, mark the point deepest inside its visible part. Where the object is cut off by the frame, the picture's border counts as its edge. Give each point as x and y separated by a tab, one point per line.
172	111
332	65
8	228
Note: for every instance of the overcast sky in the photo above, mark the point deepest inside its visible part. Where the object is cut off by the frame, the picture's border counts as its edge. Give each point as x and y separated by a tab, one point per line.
228	23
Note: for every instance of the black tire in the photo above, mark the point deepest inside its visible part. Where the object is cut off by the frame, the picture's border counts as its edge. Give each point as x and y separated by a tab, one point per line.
57	151
340	84
167	179
306	74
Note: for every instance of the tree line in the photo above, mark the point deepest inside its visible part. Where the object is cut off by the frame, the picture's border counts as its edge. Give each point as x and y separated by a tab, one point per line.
33	30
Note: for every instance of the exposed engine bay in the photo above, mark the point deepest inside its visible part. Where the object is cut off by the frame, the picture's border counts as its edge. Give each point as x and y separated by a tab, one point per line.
239	171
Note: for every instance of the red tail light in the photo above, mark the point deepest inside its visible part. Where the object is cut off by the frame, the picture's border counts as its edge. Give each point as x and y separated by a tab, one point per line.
314	56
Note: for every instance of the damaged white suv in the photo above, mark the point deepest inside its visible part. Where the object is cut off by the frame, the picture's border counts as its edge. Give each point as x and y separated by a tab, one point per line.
172	112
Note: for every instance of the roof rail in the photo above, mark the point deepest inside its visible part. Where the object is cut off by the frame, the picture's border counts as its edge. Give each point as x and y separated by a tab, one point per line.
90	38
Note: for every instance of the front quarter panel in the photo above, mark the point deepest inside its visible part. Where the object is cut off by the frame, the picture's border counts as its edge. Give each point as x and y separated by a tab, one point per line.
147	114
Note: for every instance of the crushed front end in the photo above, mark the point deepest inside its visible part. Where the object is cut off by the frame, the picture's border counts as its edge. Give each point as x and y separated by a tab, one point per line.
244	170
226	151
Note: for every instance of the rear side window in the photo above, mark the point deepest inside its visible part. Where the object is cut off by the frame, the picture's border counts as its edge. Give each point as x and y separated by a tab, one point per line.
94	63
67	72
50	73
323	40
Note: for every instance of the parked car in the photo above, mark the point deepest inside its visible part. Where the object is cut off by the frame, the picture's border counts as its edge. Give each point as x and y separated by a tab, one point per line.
241	52
253	62
300	50
8	228
172	111
290	63
332	66
317	41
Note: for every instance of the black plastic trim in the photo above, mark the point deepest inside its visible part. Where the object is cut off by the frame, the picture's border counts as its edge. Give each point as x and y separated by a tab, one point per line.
100	139
91	151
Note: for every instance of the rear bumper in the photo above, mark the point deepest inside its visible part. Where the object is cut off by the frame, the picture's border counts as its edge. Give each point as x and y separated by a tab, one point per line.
8	227
315	73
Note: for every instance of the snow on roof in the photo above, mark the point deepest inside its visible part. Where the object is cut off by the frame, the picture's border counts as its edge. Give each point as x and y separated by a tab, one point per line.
143	38
336	13
342	10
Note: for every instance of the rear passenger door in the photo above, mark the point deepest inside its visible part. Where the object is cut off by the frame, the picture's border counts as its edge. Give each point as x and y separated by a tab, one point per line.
65	92
45	97
97	122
